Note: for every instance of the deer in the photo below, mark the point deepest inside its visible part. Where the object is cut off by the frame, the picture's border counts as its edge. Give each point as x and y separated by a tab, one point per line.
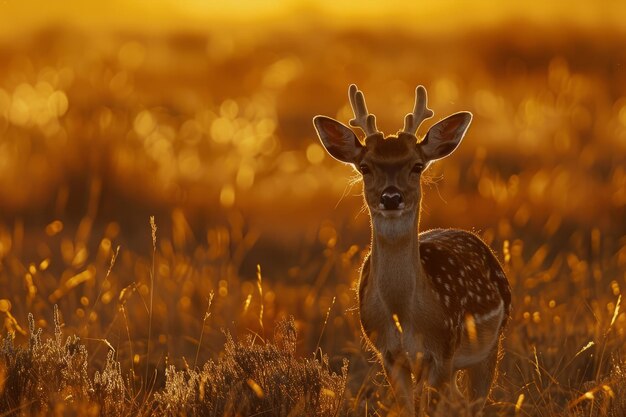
430	304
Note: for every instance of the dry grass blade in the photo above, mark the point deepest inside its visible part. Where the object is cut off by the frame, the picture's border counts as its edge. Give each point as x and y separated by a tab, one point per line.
106	277
518	404
606	335
259	283
319	339
207	314
396	322
584	348
153	229
615	312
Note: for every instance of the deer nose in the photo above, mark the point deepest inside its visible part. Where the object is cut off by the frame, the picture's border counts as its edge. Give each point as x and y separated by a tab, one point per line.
391	198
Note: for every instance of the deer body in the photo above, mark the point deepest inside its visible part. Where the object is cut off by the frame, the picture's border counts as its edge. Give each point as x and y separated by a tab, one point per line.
433	303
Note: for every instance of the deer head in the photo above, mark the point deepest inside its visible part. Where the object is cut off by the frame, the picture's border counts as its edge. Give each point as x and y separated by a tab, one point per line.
391	166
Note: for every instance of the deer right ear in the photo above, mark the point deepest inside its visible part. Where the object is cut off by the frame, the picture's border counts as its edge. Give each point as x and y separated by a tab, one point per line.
338	139
445	136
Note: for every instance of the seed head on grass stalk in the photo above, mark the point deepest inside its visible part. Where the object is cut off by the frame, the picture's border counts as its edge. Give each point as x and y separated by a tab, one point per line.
606	335
246	303
106	277
153	227
206	317
259	283
319	340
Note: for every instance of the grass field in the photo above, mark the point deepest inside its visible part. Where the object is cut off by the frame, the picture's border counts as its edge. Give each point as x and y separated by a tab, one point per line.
238	296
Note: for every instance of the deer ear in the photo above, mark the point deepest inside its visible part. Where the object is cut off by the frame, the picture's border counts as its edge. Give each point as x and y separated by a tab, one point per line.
338	139
444	137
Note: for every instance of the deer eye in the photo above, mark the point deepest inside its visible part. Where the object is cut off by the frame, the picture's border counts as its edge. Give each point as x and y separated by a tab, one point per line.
417	168
364	169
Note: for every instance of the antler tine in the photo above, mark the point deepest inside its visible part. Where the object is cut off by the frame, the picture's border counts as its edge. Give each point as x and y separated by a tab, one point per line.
362	119
421	112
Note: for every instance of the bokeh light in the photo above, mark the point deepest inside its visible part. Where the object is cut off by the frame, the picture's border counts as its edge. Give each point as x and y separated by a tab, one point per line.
199	113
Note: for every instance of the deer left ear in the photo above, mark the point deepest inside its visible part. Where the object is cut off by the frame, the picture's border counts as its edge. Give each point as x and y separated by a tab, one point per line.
445	136
338	139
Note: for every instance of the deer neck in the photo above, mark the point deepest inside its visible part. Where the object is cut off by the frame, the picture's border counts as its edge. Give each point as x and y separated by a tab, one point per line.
395	260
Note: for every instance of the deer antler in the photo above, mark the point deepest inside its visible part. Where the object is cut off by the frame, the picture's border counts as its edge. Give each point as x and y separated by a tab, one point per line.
421	112
362	119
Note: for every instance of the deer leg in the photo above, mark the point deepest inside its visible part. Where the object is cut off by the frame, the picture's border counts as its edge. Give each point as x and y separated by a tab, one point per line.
454	386
481	376
439	379
398	373
419	369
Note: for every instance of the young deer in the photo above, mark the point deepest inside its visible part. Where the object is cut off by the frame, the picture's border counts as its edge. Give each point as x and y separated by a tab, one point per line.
431	303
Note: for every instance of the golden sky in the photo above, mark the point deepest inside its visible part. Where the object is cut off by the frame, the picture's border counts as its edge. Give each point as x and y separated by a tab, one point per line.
16	17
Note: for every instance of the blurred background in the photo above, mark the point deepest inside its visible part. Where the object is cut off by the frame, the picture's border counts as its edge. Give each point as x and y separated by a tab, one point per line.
199	113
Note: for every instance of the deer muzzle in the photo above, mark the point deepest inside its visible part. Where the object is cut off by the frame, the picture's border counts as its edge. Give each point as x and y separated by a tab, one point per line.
391	199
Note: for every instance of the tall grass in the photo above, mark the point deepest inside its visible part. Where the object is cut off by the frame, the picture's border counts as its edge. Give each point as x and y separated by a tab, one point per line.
561	358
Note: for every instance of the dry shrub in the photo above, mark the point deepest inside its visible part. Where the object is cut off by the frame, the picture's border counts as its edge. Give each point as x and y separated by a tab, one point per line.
267	379
49	376
606	397
617	380
256	379
109	387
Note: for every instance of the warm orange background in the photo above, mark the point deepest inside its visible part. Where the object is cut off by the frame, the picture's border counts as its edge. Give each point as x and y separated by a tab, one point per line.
199	113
